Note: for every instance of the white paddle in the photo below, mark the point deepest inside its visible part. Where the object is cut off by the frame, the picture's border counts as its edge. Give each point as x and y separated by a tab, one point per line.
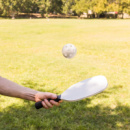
81	90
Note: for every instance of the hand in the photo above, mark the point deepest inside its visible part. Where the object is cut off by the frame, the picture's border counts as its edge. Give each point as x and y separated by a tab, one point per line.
43	96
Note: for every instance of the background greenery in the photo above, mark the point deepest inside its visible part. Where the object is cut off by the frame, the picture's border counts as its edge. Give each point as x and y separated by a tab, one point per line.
30	55
9	7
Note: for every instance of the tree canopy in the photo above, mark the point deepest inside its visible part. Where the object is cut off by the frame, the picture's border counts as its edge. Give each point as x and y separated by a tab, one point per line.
7	7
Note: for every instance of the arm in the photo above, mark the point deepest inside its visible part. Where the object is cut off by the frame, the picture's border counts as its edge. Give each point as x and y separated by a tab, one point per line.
9	88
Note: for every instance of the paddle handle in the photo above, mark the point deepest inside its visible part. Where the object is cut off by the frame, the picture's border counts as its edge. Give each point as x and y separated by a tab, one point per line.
38	105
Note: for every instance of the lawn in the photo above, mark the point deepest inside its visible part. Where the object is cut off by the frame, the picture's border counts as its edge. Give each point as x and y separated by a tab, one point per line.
30	55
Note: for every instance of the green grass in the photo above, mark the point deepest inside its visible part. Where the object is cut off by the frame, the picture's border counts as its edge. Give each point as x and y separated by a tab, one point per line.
30	54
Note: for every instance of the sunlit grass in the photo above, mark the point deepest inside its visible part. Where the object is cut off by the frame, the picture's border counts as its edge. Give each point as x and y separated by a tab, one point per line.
30	54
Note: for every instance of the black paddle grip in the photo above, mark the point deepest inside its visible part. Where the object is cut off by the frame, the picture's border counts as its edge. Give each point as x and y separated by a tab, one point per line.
38	105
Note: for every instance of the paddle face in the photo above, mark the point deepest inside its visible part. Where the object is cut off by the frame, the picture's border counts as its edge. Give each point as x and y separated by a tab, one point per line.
85	88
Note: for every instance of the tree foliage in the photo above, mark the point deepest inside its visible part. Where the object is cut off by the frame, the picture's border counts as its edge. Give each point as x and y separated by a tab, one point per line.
81	6
7	7
67	5
44	6
12	6
99	7
124	6
50	6
56	6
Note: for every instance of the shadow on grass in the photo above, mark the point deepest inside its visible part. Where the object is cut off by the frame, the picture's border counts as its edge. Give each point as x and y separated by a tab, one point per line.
68	116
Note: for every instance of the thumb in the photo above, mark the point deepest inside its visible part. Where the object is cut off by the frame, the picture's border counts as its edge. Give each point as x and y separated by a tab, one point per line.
51	95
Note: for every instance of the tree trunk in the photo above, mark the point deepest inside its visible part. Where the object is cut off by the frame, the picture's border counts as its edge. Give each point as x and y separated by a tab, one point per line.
98	16
122	14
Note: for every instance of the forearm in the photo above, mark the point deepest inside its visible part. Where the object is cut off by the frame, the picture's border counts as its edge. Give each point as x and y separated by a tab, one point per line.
9	88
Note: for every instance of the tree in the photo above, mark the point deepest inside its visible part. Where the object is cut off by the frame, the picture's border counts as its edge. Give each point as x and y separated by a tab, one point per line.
67	5
81	6
28	6
124	7
113	7
56	6
50	6
9	7
99	7
95	6
0	7
44	6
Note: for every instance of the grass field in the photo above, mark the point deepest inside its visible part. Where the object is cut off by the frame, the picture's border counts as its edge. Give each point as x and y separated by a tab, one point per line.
30	55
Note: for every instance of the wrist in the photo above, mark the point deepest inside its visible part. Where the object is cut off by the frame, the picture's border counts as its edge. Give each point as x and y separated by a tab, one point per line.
29	95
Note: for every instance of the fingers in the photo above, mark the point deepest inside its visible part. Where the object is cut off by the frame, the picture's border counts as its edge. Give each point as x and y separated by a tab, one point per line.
49	104
54	103
60	101
46	104
43	96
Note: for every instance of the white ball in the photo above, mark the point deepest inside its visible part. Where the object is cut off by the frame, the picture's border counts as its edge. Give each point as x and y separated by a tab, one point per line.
69	51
